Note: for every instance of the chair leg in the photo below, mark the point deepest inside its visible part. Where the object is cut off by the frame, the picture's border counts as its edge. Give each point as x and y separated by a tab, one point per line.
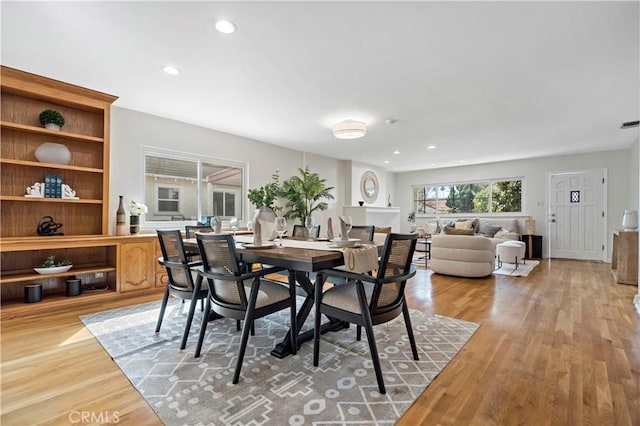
246	327
201	305
368	327
317	294
253	328
165	299
192	309
412	339
238	325
203	327
293	335
359	333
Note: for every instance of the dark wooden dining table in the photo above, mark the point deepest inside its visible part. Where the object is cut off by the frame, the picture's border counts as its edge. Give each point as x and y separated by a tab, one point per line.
299	262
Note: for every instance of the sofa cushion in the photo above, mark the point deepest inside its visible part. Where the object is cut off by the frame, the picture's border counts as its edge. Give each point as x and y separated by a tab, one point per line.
456	231
502	233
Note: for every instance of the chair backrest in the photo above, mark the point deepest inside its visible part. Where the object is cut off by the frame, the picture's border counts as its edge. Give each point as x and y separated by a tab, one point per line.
190	230
218	254
173	251
363	232
300	231
396	258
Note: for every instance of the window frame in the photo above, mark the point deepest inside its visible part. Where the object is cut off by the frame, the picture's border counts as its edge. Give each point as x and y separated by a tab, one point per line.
198	159
490	183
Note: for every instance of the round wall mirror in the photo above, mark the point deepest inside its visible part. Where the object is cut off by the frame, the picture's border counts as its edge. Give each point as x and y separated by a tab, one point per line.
369	186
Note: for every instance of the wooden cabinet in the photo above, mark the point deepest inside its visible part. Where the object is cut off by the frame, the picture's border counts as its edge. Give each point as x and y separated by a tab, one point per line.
85	134
624	257
137	269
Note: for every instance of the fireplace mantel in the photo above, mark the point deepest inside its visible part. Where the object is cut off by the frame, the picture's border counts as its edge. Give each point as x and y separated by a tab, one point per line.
374	215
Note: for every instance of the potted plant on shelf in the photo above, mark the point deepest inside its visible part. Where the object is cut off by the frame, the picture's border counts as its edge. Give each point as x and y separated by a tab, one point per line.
51	119
304	195
135	210
50	266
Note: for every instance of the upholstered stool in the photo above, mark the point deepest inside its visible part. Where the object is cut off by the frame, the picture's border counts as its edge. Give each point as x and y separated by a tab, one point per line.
511	252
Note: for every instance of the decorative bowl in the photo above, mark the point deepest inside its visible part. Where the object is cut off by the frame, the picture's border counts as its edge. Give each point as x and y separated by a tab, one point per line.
53	270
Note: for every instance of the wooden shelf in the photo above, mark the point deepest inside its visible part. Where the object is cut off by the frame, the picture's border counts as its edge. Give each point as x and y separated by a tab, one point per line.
32	276
12	308
50	165
47	200
54	133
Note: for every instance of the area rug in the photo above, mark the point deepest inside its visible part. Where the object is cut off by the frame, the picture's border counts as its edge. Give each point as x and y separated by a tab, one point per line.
184	390
522	270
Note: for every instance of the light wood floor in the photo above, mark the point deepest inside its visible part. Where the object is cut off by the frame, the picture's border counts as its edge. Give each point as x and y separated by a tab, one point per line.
561	347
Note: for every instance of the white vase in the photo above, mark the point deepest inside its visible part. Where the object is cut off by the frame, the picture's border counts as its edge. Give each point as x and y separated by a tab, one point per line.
630	220
55	153
52	126
267	218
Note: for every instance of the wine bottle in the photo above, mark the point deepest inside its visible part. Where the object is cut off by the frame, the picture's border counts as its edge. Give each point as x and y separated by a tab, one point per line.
121	219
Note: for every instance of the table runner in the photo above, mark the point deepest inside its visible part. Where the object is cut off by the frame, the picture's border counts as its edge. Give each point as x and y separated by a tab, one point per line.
361	259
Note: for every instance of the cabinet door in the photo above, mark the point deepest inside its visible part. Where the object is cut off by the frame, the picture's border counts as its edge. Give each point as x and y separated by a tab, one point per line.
137	269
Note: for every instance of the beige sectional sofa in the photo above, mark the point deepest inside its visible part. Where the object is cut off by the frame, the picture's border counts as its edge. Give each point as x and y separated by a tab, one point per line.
472	255
462	255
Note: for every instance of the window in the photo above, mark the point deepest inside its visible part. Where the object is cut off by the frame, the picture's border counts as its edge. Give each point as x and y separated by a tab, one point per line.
186	187
168	200
504	196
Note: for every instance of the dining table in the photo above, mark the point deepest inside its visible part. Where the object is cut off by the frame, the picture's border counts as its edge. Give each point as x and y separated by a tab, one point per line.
299	258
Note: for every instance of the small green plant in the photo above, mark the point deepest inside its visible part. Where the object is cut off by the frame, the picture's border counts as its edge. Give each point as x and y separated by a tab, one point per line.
50	116
50	262
266	195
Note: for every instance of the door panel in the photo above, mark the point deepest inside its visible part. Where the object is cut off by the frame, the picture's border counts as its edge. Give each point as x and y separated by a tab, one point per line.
576	219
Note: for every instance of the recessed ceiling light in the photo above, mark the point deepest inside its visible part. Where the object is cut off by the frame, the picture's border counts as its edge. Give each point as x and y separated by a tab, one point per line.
386	161
396	152
171	70
431	147
225	27
462	161
432	164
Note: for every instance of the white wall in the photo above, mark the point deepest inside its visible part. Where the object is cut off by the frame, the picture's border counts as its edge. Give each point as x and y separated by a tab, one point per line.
385	182
131	129
534	173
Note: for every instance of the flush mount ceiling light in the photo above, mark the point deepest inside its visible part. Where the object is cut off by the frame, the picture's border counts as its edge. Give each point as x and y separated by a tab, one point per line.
225	27
171	70
349	129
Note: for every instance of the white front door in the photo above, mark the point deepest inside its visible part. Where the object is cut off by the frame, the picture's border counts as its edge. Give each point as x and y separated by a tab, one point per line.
576	215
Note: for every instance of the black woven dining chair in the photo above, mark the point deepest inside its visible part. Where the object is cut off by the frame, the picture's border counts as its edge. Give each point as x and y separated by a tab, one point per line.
299	232
181	282
362	232
237	293
190	232
367	300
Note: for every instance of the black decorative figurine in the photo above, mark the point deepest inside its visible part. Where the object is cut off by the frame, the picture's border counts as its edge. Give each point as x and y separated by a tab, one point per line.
47	227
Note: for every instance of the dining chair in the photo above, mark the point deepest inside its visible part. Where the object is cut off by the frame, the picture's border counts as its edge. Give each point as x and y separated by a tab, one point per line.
237	293
182	279
363	232
367	300
300	232
190	232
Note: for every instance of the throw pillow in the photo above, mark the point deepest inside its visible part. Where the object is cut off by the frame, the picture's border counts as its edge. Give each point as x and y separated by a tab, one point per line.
489	230
449	230
463	225
382	230
502	233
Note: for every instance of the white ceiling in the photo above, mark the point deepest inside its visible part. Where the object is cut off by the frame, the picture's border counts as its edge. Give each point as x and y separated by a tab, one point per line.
483	81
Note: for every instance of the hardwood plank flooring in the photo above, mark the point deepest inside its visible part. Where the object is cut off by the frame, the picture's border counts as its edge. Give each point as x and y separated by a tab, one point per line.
559	347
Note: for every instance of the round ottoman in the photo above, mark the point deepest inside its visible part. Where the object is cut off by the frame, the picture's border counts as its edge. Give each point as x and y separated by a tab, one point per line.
511	252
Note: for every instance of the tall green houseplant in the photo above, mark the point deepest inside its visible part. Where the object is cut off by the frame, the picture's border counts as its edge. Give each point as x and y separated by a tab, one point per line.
304	194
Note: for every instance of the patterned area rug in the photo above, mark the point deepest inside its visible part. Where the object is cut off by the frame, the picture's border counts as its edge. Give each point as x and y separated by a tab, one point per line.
510	268
184	390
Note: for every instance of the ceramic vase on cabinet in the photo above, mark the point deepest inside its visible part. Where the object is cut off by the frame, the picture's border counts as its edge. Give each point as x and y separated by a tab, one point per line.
134	224
121	219
630	220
